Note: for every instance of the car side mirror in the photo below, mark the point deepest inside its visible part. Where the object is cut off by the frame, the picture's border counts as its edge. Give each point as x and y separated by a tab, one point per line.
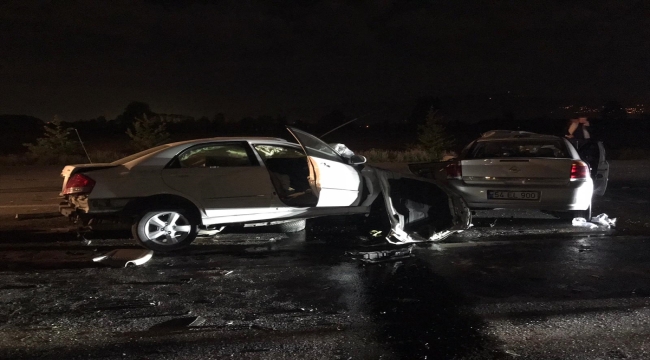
357	159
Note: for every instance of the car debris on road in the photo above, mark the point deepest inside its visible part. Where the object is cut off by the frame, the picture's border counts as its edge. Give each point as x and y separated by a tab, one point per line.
125	257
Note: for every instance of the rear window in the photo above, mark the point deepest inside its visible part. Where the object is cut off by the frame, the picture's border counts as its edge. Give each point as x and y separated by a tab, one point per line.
528	148
125	160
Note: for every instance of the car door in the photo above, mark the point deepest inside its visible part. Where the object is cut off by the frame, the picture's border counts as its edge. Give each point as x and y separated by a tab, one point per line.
593	153
337	183
220	175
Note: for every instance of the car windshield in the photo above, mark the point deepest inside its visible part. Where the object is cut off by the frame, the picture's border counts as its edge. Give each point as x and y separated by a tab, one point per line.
125	160
529	148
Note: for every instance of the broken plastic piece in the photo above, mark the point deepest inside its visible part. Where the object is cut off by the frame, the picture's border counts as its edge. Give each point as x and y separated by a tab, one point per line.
601	220
374	257
125	257
579	221
604	220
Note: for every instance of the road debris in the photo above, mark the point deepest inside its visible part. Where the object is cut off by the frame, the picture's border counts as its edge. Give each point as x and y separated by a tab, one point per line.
124	257
44	215
601	220
379	256
179	323
604	220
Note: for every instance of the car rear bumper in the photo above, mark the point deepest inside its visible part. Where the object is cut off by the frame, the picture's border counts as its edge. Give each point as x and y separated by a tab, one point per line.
574	196
80	204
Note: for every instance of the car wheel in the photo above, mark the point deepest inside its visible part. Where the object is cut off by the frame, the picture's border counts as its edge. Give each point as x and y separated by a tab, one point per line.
164	230
583	213
292	226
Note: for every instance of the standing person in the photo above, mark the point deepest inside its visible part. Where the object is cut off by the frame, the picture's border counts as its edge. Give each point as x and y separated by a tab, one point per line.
578	134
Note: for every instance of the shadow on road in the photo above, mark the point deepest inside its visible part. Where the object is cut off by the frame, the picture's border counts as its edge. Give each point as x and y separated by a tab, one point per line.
421	316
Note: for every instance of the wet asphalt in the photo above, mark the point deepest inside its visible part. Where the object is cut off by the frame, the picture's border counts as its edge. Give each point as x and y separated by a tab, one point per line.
515	286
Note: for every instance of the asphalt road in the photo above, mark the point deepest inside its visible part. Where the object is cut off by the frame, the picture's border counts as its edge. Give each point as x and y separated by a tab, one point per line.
517	285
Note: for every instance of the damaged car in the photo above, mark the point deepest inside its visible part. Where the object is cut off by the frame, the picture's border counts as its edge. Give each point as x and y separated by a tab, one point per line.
525	170
170	192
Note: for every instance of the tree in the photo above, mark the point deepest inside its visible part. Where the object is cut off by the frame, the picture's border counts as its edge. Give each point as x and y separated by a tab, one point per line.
55	142
433	135
148	132
134	110
422	108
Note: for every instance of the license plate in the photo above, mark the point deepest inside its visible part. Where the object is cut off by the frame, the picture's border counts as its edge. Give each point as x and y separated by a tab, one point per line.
512	195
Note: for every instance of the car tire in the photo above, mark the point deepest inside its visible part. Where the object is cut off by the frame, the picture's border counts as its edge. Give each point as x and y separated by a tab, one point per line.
164	230
292	226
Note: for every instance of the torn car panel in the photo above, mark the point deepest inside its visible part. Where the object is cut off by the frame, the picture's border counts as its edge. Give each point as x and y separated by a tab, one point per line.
420	209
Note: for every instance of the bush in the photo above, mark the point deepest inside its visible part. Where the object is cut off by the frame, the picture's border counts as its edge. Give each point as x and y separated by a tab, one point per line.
433	136
405	156
148	132
55	146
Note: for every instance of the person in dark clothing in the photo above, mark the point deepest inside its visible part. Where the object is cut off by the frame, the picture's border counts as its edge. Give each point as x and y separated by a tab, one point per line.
578	132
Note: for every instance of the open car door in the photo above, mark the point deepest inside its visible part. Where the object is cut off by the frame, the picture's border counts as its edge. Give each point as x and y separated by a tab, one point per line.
336	182
593	153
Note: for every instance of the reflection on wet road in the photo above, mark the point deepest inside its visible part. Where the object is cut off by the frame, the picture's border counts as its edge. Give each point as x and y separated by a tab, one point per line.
514	288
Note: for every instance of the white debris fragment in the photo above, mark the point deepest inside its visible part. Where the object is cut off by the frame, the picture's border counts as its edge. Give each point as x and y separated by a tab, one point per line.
604	220
579	221
601	220
124	257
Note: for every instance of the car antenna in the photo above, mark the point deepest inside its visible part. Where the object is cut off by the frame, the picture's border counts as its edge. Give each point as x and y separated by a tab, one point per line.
353	120
82	145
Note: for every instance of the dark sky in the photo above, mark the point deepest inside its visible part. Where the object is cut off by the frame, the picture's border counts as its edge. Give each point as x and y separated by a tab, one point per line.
86	58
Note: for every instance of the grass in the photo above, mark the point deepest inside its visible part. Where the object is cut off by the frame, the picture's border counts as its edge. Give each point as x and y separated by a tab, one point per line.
399	156
99	156
373	155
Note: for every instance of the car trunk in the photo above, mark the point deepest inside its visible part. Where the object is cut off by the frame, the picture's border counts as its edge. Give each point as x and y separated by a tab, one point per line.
514	171
70	170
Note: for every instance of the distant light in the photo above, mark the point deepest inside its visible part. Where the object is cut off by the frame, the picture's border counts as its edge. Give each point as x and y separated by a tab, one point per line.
367	126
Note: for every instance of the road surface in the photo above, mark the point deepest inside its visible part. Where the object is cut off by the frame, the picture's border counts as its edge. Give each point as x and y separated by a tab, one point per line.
517	285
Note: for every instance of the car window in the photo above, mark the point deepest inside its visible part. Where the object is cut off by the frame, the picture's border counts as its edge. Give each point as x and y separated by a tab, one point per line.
519	148
214	156
278	152
315	146
125	160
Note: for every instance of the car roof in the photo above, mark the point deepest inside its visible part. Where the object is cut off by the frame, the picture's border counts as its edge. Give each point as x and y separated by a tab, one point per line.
512	135
161	156
231	138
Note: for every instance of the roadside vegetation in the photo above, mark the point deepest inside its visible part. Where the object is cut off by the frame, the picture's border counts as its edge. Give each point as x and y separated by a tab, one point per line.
148	132
433	136
424	135
54	146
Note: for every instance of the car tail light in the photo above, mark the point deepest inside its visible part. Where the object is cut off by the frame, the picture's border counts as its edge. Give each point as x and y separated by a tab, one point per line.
454	170
579	170
79	184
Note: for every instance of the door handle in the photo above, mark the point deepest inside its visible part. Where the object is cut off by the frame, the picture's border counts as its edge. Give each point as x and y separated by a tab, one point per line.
324	164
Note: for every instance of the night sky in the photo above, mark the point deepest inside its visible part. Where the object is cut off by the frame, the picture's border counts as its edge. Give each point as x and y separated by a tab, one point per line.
82	59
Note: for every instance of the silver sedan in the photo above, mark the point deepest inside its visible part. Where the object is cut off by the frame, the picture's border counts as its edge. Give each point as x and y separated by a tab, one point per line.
516	169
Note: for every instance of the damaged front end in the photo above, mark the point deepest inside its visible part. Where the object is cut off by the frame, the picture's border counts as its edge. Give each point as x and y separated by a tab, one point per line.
418	209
